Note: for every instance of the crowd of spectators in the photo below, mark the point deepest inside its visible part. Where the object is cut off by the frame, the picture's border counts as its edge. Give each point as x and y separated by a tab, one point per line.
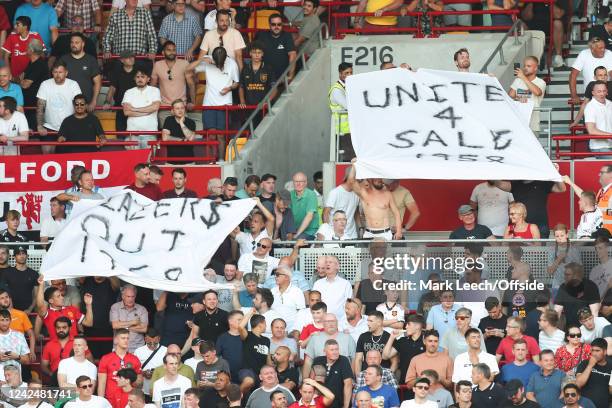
277	338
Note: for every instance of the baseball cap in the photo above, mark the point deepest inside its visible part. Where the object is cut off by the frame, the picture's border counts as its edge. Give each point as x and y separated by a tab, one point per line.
196	341
513	386
126	54
285	196
465	209
268	176
21	249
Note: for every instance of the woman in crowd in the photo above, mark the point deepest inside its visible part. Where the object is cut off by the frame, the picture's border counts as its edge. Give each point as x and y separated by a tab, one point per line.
519	227
573	352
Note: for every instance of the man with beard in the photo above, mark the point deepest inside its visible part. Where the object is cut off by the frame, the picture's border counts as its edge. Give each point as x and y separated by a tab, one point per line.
83	68
577	292
377	201
57	349
462	60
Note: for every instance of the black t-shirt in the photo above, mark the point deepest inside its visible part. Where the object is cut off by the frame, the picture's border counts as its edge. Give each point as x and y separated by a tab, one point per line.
20	285
230	348
588	92
367	342
479	232
103	298
339	371
291	374
492	396
407	348
277	49
255	352
122	81
519	302
185	194
492	342
526	404
80	130
535	197
596	389
37	72
369	296
178	311
210	398
82	70
256	84
211	325
62	46
575	298
175	130
532	327
601	32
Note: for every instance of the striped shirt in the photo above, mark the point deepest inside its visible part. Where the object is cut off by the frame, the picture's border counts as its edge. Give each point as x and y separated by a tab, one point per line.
85	8
183	33
135	34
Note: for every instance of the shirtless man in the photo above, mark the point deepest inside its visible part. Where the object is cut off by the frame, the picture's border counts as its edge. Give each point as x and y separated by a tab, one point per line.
377	201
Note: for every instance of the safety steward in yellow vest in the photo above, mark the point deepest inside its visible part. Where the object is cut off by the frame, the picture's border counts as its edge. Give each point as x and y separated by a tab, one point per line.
604	196
337	105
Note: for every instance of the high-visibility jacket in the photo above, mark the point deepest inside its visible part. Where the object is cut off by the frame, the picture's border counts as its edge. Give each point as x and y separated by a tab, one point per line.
604	202
338	111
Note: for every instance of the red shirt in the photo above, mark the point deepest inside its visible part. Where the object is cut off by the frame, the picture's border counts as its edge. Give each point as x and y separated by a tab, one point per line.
53	352
150	190
119	399
566	361
309	330
17	47
317	402
111	363
505	348
70	312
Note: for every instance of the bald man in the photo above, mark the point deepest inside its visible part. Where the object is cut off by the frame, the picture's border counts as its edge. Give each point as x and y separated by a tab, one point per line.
8	88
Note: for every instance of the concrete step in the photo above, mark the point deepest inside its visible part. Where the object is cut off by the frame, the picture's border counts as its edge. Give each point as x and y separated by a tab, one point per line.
561	86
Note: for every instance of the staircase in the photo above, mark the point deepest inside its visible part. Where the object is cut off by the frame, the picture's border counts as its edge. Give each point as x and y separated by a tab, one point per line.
557	95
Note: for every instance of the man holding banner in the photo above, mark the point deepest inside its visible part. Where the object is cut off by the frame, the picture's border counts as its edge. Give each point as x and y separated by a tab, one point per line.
377	201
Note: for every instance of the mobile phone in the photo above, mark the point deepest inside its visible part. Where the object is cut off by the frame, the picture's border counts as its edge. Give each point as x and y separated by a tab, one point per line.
517	65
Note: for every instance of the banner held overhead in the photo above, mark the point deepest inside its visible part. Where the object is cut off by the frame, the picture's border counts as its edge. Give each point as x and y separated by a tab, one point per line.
440	125
162	244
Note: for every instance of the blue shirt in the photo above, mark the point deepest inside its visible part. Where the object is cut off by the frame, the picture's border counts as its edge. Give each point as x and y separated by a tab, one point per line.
441	320
43	18
297	279
229	348
242	194
245	299
546	388
386	395
13	91
511	371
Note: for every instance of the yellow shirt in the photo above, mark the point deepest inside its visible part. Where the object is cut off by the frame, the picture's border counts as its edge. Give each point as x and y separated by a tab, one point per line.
374	5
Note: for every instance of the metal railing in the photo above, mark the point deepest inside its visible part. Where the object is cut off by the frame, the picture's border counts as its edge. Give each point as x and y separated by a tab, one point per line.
513	31
283	82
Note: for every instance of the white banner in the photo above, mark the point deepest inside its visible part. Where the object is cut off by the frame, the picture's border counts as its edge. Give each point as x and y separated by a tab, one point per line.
440	125
160	245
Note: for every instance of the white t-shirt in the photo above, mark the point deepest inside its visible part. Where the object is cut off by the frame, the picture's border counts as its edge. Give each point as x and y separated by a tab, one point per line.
59	101
143	353
216	80
288	303
94	402
139	99
72	369
327	231
492	207
586	63
412	404
601	115
261	267
396	312
12	128
247	243
193	363
462	369
170	395
357	330
334	293
589	335
522	90
37	405
347	201
589	222
50	227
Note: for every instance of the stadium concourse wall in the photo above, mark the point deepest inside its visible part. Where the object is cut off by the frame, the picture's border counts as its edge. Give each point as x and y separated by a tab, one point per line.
296	135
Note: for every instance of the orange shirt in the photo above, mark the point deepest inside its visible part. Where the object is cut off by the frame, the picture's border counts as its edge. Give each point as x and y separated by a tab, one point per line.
20	321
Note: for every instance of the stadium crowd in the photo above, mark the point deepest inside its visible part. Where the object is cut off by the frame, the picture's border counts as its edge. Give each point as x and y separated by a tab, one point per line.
275	338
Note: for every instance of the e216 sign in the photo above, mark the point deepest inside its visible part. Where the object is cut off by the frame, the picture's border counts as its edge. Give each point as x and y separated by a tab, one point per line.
364	56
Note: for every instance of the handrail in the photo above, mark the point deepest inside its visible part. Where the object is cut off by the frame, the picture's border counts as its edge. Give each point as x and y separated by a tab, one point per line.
267	99
499	49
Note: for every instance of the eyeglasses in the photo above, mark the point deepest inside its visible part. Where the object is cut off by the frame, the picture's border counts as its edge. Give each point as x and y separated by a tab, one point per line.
570	395
574	335
84	387
169	72
79	104
260	245
422	387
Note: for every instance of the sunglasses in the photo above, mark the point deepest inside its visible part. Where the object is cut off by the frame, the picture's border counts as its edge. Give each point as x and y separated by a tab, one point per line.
169	72
276	24
422	387
260	245
84	387
574	335
570	395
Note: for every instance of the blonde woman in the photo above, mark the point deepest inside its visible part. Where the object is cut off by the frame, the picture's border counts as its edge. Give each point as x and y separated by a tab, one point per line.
519	228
